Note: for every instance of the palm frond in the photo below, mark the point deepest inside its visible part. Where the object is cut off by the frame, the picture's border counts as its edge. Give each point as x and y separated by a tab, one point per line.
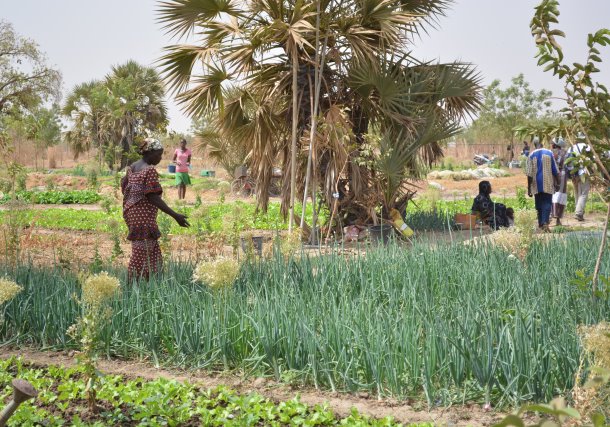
206	93
428	12
216	32
179	17
177	65
224	151
387	18
459	89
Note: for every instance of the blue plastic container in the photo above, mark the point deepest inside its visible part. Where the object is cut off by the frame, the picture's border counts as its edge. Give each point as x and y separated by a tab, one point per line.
171	168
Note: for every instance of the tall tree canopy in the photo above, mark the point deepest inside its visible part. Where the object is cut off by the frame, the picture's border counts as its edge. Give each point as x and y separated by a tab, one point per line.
26	81
25	77
505	109
110	114
370	84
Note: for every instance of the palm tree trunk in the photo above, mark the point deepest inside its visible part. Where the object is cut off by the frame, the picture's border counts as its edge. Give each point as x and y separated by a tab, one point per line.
319	65
311	138
293	145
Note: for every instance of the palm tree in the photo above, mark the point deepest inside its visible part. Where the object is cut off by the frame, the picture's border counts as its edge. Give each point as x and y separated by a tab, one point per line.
137	100
370	85
109	114
86	107
242	115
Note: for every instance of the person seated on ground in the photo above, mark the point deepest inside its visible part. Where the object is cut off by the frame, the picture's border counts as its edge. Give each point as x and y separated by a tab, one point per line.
495	215
510	214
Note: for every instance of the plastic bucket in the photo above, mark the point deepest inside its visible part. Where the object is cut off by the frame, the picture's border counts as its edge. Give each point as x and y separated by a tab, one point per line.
381	233
467	221
171	168
257	245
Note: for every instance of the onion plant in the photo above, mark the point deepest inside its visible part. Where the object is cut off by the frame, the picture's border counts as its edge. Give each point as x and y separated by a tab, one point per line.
447	324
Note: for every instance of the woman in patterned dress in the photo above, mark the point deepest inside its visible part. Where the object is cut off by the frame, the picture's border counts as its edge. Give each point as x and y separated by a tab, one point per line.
141	201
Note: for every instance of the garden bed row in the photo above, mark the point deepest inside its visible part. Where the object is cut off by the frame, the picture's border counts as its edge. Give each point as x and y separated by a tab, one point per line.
138	402
441	325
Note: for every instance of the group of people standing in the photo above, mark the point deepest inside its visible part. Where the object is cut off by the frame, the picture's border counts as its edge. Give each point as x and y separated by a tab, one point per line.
548	172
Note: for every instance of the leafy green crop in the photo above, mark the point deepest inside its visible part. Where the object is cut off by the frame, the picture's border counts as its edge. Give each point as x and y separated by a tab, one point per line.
55	197
157	403
420	216
88	220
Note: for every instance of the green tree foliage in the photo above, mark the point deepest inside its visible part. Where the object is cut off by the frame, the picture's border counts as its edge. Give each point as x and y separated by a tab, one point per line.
25	77
26	81
242	68
229	153
110	114
505	109
86	107
171	139
43	127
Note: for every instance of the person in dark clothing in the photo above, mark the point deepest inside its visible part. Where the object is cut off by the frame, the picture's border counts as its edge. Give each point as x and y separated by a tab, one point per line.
526	149
493	214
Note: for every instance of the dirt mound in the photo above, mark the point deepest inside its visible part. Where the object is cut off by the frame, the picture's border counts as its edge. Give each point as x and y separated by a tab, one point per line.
38	180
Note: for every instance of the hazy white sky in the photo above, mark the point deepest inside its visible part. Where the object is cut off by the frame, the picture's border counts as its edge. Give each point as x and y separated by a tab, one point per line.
83	38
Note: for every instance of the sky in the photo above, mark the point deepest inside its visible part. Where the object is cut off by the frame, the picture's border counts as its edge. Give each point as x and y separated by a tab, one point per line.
84	38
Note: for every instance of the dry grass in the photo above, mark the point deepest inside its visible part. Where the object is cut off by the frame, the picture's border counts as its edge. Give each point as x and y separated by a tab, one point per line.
594	395
517	240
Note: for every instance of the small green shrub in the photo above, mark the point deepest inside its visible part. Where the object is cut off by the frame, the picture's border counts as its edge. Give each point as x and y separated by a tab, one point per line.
20	182
522	202
6	185
50	183
92	179
79	170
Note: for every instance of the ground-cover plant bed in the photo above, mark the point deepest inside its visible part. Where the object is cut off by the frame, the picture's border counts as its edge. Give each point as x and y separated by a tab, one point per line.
441	325
421	216
198	183
134	401
68	219
459	204
55	197
209	217
442	220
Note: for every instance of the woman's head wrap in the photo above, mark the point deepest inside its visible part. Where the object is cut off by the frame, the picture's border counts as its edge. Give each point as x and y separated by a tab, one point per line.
149	144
